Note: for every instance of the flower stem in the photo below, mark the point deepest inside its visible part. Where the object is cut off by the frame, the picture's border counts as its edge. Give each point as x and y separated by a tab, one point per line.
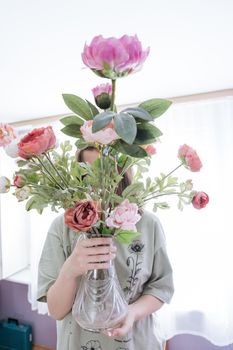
58	173
48	172
113	94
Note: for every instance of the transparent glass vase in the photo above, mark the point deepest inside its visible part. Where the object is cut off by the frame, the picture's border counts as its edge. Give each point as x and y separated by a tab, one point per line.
100	303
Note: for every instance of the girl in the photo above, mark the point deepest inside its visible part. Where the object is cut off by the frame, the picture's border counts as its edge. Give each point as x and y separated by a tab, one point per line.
143	269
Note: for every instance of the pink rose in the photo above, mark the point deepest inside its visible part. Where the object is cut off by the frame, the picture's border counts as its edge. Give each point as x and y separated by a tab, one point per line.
104	136
200	200
19	181
113	58
124	216
190	158
36	142
82	216
7	134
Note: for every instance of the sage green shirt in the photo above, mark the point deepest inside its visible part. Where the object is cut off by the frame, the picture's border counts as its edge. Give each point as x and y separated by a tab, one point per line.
142	267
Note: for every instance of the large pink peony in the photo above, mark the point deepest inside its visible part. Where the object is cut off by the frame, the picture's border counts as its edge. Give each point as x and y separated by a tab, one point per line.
104	136
82	216
190	158
113	58
124	216
7	134
36	142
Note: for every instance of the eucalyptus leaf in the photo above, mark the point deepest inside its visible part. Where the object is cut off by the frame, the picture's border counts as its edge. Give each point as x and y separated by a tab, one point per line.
146	133
71	119
138	113
156	106
133	189
131	150
72	130
126	127
126	236
101	120
78	106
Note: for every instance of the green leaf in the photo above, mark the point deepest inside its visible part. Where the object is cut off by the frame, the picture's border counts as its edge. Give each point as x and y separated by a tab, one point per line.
101	120
131	150
71	119
35	202
126	236
93	108
156	106
125	127
138	113
132	189
72	130
78	106
21	163
81	144
146	133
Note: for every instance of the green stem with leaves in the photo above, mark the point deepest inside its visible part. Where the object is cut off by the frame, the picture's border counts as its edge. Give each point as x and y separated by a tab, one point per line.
55	169
48	172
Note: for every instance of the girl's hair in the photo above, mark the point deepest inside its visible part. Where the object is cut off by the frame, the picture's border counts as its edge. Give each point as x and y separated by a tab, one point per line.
126	179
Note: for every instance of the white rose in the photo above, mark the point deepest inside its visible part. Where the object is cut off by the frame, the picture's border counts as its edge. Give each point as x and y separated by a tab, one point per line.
12	149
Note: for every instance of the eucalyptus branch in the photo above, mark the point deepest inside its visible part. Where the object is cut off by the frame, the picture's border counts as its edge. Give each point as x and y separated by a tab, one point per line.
180	194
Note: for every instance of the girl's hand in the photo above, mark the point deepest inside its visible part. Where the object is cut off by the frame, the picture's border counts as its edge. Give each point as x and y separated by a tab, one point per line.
89	254
124	328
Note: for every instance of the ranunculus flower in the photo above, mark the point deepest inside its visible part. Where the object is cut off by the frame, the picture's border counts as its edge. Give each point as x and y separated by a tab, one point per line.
36	142
113	58
82	216
190	158
5	184
104	136
22	193
20	181
102	94
124	216
7	134
200	200
150	149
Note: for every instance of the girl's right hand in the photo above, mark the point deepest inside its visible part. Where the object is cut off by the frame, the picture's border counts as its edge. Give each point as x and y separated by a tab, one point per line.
90	254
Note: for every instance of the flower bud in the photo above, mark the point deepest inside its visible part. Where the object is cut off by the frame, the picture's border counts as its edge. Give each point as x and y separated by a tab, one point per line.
5	184
102	94
20	181
200	200
22	193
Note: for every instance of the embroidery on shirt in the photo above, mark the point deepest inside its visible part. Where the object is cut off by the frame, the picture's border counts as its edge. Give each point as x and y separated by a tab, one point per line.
92	345
134	261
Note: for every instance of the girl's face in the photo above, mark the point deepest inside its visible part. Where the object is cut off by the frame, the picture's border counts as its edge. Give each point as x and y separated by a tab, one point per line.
89	156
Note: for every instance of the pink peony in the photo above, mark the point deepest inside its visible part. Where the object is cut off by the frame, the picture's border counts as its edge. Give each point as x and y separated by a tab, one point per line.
200	200
113	58
7	134
102	88
36	142
190	158
82	216
124	216
104	136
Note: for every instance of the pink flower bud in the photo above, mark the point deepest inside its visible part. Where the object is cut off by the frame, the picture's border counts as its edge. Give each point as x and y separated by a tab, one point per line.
19	181
200	200
7	134
150	149
190	158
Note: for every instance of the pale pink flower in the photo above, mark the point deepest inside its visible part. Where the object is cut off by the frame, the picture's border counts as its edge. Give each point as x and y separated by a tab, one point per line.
150	149
102	88
124	216
12	148
104	136
190	158
22	193
7	134
200	200
5	184
113	58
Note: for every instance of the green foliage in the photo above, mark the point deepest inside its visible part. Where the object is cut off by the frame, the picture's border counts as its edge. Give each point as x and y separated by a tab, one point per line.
139	113
71	119
126	236
79	106
156	106
125	126
101	120
72	130
131	150
146	134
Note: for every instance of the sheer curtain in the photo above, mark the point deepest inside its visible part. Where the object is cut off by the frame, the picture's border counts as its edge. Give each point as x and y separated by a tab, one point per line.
199	241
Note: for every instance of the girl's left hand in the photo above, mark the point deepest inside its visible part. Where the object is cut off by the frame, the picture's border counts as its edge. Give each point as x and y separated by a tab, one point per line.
124	327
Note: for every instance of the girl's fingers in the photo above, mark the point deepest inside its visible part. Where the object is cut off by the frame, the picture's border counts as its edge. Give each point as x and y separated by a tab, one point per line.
97	266
92	242
101	250
100	258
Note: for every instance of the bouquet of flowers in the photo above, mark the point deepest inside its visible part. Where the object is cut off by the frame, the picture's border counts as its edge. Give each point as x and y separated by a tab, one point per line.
91	193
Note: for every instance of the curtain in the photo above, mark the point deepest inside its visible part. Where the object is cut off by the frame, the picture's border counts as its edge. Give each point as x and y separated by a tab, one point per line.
200	241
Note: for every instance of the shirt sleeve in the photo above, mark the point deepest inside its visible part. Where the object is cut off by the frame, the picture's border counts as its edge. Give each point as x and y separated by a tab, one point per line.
160	284
51	260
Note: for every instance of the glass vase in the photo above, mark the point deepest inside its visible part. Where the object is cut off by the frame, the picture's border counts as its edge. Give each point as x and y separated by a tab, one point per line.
100	303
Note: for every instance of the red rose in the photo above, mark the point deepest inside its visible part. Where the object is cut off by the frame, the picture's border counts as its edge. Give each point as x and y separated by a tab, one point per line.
36	142
200	200
82	216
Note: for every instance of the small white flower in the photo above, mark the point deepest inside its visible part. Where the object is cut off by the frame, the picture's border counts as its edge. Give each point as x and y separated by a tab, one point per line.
22	193
12	149
4	184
